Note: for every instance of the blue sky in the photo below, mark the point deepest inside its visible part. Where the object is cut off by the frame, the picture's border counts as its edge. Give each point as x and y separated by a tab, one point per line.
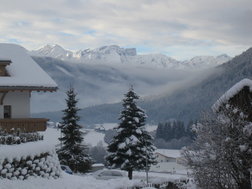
178	28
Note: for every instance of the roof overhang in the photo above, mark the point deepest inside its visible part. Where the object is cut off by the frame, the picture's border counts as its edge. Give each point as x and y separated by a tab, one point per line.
5	62
27	88
233	91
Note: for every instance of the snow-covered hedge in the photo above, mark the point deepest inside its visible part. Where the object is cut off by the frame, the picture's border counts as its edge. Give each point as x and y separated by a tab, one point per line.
18	138
34	159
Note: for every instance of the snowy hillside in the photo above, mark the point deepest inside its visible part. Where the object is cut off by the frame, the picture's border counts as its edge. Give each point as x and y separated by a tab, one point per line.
185	103
189	102
205	61
99	84
114	54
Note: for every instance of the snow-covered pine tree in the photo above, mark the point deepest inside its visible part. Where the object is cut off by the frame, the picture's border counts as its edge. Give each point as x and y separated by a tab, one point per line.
72	152
131	149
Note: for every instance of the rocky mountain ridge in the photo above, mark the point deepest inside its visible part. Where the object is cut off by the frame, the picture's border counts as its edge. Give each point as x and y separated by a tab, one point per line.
114	54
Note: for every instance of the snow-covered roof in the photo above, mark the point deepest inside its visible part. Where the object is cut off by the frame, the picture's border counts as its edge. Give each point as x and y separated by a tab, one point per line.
24	72
232	92
97	165
169	153
4	61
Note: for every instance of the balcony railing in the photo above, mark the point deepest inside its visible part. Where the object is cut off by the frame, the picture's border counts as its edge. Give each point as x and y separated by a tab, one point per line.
23	124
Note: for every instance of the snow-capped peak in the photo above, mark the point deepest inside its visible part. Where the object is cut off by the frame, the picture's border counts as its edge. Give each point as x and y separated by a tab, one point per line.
55	51
206	61
113	54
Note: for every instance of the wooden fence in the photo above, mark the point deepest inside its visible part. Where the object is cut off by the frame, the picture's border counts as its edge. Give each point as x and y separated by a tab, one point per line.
24	124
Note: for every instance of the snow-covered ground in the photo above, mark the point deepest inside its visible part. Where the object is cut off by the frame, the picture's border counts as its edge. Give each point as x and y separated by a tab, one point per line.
108	126
84	181
65	182
81	182
92	138
51	135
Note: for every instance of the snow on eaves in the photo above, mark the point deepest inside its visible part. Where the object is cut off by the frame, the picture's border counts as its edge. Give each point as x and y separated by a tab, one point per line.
23	70
232	92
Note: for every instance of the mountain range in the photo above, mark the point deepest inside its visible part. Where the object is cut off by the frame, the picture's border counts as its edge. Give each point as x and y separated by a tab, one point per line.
114	54
185	102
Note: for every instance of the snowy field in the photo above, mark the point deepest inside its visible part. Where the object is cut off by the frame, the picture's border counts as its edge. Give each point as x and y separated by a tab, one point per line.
87	181
84	182
107	126
65	182
91	137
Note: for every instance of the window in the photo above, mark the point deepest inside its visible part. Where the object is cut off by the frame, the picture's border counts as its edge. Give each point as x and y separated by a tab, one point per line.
116	173
7	111
3	64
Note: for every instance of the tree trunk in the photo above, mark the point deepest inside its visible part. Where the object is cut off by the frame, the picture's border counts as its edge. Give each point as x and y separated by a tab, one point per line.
130	173
246	183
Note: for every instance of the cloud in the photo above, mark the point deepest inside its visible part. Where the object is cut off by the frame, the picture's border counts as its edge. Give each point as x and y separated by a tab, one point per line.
161	25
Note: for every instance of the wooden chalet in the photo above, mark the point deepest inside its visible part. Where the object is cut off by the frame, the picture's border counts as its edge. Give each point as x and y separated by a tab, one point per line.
19	77
239	97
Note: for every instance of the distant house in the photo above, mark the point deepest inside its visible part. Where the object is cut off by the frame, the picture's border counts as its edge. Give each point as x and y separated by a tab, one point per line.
19	77
167	155
100	128
239	97
169	161
97	166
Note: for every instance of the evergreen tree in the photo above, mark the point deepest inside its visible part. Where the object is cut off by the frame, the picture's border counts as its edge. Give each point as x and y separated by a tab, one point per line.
171	130
72	152
180	129
189	130
131	149
160	130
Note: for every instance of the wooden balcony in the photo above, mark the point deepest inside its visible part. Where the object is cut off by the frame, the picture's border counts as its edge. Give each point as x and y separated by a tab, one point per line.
24	124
